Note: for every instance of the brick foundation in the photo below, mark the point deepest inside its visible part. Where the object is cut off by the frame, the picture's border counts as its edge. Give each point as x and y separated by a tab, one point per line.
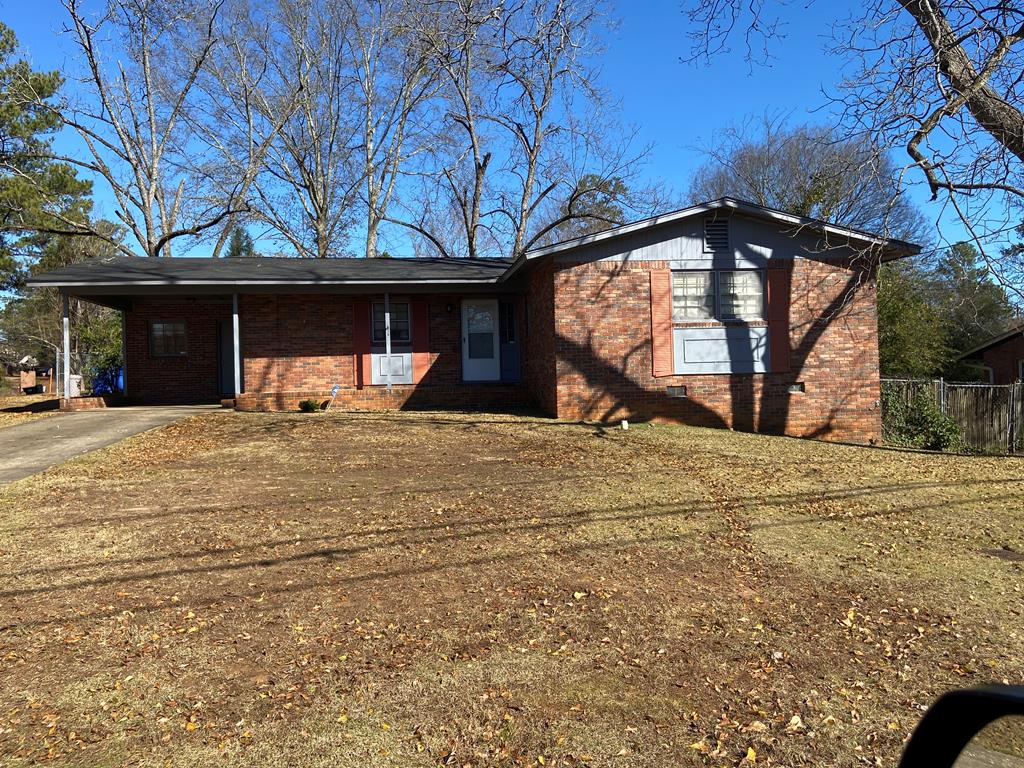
465	396
91	403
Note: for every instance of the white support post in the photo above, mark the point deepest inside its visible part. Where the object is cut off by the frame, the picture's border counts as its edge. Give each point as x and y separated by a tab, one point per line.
66	312
236	345
387	339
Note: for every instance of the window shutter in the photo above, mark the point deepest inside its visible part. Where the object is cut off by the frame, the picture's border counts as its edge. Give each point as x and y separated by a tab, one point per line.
361	342
661	322
419	312
779	283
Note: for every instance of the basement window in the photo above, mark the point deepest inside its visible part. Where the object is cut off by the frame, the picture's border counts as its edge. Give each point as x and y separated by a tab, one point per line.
168	339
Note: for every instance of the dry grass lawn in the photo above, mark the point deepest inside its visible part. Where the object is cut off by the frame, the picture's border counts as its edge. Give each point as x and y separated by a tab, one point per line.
16	408
441	589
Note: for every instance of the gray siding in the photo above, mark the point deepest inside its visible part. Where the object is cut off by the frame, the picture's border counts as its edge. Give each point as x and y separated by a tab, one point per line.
729	349
681	243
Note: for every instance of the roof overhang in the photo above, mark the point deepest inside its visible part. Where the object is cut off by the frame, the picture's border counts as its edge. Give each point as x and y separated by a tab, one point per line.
890	249
1017	330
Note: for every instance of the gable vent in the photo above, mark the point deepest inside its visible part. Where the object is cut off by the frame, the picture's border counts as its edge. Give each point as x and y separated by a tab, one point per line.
716	235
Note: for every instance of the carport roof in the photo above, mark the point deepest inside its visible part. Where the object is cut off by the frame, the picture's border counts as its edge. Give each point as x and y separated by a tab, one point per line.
130	271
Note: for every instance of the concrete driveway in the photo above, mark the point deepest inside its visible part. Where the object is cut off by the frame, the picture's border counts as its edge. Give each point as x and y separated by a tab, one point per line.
36	445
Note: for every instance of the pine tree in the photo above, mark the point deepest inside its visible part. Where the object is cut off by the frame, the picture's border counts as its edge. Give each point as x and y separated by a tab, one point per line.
240	245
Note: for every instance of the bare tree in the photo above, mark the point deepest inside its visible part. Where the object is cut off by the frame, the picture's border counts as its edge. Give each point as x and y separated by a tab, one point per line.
312	171
941	80
809	171
396	77
141	60
526	129
244	103
462	47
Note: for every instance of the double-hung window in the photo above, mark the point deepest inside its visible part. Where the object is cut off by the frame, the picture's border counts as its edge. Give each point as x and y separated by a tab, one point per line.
168	339
718	294
399	322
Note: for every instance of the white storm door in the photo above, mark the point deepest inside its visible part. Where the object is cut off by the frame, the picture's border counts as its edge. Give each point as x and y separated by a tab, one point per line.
480	361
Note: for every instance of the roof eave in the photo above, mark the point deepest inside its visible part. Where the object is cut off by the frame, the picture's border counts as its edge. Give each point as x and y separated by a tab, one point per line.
243	283
898	247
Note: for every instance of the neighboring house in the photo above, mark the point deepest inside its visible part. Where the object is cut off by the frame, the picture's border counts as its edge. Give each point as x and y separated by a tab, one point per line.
1002	357
724	314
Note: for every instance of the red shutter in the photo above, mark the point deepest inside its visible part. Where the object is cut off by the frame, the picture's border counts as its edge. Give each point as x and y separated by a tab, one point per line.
779	273
661	322
361	342
420	319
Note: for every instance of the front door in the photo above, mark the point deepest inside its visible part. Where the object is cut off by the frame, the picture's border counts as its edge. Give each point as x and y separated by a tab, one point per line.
480	359
226	358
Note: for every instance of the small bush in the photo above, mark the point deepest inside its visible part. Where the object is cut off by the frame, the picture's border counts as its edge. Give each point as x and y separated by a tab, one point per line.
309	406
919	424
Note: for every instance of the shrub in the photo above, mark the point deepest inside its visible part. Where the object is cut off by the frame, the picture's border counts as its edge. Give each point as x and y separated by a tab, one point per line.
309	406
919	423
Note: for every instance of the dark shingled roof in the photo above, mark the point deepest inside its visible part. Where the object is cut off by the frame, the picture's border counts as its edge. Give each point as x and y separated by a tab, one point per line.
131	270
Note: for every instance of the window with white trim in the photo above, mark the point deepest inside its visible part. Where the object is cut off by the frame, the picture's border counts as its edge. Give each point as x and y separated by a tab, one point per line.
168	339
399	322
718	294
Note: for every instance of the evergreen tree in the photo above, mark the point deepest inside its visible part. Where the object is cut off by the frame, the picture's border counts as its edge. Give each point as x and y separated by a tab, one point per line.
32	188
240	245
912	335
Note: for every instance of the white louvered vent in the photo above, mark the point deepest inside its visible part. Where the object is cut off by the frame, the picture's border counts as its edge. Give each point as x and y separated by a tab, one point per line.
716	235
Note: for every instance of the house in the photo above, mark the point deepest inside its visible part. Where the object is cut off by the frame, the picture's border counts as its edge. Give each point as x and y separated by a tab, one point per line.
1001	357
723	314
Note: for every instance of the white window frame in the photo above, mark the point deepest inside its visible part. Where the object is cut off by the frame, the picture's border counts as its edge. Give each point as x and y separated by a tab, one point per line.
717	314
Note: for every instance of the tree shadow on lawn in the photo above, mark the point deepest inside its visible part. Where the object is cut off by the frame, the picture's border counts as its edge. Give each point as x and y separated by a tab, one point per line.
40	406
568	520
507	525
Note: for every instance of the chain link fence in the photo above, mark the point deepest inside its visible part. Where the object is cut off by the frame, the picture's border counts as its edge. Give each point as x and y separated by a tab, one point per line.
989	417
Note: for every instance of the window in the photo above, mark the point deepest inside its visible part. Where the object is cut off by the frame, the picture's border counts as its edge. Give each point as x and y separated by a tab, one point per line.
741	295
399	322
733	294
693	295
168	339
507	322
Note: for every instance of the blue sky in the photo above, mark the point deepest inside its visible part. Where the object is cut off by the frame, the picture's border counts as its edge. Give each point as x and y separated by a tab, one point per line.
676	106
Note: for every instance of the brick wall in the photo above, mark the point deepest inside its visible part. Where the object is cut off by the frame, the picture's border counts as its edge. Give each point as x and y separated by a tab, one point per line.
1004	359
539	348
463	396
604	370
190	378
303	342
296	347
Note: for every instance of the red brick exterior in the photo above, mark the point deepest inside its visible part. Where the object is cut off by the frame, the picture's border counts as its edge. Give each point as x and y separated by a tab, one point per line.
296	347
586	354
1005	358
376	398
192	378
539	348
604	367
